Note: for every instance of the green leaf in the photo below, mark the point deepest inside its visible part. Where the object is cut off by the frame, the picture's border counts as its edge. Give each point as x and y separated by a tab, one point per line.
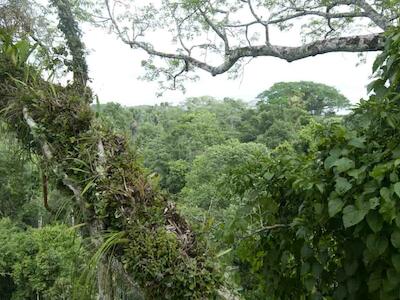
357	142
375	221
374	282
396	261
393	277
388	207
224	252
335	205
329	162
394	177
350	267
321	187
395	239
385	193
352	216
88	186
373	202
342	185
268	175
397	188
309	283
377	244
357	173
340	293
306	251
380	170
344	164
353	284
305	268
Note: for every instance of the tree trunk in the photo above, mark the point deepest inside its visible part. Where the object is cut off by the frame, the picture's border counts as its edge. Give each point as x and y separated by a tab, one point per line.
128	220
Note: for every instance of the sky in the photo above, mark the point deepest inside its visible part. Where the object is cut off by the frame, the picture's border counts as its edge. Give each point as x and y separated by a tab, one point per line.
115	68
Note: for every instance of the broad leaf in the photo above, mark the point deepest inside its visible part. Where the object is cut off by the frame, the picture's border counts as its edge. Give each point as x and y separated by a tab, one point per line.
396	261
342	185
352	216
397	189
344	164
377	244
395	239
375	221
335	205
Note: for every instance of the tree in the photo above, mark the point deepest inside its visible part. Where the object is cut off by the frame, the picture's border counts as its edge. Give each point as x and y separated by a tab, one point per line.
208	192
206	185
18	178
218	36
41	263
170	137
148	240
316	98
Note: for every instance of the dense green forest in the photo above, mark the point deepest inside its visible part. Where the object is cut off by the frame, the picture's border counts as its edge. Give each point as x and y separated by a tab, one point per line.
294	195
193	151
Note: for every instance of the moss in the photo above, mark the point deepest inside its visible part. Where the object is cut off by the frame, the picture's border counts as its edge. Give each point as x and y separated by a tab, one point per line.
166	271
162	253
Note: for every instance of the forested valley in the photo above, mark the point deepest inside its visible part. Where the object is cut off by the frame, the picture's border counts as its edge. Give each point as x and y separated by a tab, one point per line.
294	195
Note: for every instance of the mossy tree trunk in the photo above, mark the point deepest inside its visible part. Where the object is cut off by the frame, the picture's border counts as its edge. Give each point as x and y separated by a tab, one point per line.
152	245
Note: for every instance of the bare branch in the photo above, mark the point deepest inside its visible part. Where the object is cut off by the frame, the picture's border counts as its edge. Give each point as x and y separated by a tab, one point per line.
304	13
369	11
220	33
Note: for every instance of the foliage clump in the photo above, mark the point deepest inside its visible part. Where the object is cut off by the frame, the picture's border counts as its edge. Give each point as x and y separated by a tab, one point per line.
44	262
336	202
111	191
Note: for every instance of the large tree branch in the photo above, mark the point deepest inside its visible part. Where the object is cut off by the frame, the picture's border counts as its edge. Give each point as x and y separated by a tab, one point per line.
361	43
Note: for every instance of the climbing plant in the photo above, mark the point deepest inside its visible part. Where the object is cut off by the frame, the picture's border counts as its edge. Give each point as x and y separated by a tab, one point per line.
331	228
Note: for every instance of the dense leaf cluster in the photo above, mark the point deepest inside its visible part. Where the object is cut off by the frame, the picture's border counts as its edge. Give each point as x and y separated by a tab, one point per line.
40	263
337	203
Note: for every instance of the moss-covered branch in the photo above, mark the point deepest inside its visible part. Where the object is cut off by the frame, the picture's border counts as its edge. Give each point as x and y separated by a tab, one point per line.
155	245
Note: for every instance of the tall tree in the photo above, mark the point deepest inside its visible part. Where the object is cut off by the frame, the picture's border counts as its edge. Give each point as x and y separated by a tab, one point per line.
316	98
218	36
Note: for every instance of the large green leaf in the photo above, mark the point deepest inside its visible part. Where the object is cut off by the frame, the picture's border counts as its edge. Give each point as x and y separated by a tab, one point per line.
352	215
396	261
375	221
357	142
377	244
374	282
342	185
344	164
395	239
335	205
396	188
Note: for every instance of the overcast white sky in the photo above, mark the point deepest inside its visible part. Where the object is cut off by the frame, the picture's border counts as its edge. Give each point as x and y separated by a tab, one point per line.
114	69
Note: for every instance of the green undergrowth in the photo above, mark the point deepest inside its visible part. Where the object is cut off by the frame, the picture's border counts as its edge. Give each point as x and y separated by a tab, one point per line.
161	253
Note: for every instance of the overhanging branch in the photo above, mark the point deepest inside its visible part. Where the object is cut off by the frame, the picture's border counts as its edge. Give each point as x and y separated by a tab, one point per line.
359	43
